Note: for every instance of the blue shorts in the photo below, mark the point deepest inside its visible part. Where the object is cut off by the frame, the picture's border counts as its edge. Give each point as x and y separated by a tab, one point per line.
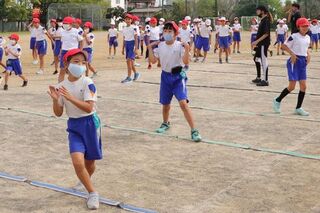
57	47
314	38
90	52
113	41
236	36
138	41
253	37
224	42
32	43
280	38
1	53
63	52
85	136
203	43
230	39
14	65
146	40
129	45
172	85
297	71
42	47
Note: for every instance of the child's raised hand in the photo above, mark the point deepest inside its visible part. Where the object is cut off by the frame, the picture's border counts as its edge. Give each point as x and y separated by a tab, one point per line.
53	92
65	93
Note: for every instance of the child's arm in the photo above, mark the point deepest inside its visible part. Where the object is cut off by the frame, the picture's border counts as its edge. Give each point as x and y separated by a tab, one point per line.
152	57
136	48
308	57
86	106
185	57
57	109
123	43
293	56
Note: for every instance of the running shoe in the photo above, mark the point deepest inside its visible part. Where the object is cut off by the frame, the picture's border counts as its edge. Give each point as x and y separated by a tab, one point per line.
195	135
164	127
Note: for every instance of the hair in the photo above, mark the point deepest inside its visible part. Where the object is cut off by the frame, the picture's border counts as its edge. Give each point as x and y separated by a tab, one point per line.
296	5
169	26
270	16
58	20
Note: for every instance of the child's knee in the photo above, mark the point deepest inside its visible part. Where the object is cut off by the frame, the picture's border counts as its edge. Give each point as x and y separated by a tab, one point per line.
183	105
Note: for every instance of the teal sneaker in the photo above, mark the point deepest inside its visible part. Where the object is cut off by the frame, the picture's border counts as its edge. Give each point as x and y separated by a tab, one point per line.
195	135
301	112
136	76
164	127
276	106
126	80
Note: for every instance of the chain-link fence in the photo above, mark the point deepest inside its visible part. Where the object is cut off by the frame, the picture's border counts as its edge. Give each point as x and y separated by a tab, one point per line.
86	12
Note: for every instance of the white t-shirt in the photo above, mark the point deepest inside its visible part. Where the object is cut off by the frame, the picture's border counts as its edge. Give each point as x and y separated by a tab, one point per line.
32	32
58	33
113	32
70	39
169	55
154	33
254	28
52	31
90	38
2	42
80	31
286	27
40	33
84	90
314	29
205	31
137	29
129	33
298	44
281	30
16	49
161	28
185	35
237	27
223	31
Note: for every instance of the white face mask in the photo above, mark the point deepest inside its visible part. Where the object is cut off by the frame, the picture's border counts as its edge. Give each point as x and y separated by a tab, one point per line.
161	22
66	26
13	42
76	70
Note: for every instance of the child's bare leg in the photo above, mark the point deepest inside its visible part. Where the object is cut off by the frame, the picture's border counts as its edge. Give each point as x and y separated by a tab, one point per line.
23	78
90	166
91	68
6	78
41	57
166	113
129	67
133	67
187	113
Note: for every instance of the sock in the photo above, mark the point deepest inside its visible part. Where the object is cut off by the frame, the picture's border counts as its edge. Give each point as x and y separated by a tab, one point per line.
283	94
267	72
258	66
300	99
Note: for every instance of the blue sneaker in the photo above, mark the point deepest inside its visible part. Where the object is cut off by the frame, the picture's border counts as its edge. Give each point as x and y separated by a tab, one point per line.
276	106
126	80
136	76
301	112
164	127
195	135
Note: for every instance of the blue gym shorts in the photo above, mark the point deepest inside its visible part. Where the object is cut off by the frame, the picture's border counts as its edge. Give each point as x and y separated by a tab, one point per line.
203	43
42	47
57	47
280	38
297	71
1	53
63	52
129	45
14	65
236	36
32	43
224	42
85	136
172	85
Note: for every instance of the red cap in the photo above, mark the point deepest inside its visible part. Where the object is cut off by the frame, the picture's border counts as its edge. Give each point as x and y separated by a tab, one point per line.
174	25
53	20
314	21
153	20
136	18
73	52
88	24
68	20
35	20
14	36
78	21
128	15
302	22
185	22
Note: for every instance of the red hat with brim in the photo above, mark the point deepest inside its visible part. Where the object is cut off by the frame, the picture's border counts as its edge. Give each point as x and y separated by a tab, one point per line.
53	20
35	20
185	22
136	18
73	52
314	21
68	20
88	24
174	25
129	16
14	36
78	21
153	20
302	22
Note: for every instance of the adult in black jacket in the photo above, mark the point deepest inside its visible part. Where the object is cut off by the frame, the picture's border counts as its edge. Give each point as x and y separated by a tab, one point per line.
294	15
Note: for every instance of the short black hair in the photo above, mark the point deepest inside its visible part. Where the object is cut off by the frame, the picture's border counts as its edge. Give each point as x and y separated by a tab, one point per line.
262	8
296	5
169	26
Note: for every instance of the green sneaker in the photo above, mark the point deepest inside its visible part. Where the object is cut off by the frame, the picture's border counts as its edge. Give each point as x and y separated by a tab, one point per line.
195	135
164	127
301	112
276	106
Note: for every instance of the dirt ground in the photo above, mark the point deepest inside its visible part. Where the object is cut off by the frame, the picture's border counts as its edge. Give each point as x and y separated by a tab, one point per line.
161	173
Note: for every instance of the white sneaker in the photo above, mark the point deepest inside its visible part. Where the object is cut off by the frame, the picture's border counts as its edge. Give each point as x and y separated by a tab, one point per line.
79	187
39	72
93	201
136	65
35	62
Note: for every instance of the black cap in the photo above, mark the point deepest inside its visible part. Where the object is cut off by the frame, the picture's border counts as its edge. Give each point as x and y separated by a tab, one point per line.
263	8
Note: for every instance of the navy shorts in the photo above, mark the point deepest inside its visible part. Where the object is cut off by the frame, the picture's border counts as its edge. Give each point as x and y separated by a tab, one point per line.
32	43
224	42
297	71
253	37
42	47
85	136
113	41
14	65
172	85
146	40
280	38
203	43
314	38
236	36
89	52
63	52
57	47
1	53
129	45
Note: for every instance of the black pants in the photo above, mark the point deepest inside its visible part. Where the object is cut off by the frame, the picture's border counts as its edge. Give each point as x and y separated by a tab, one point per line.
261	60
